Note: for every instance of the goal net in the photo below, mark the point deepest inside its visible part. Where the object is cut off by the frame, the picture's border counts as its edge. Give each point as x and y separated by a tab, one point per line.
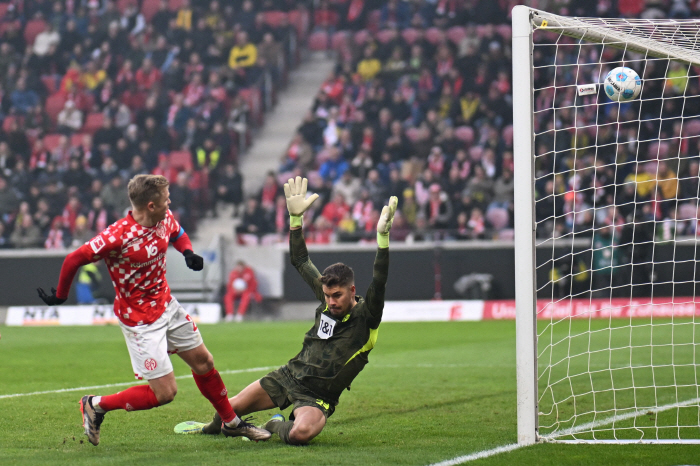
606	221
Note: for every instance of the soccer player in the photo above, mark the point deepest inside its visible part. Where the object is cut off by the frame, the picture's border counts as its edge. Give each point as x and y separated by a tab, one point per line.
336	347
154	324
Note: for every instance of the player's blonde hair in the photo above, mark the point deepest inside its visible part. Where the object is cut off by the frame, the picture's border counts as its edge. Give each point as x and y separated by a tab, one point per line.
146	188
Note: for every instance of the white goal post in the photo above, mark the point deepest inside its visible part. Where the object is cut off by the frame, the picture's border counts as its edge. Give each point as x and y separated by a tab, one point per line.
606	224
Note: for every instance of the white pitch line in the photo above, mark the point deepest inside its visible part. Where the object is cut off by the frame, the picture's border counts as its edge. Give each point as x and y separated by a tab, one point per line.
571	431
122	384
479	455
236	371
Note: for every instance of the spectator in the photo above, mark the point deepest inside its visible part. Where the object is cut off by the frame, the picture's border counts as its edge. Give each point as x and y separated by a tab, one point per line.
333	168
59	235
254	222
242	285
22	99
9	201
243	54
70	119
229	187
26	235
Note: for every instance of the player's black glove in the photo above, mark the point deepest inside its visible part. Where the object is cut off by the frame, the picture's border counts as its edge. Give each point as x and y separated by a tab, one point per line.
51	299
193	261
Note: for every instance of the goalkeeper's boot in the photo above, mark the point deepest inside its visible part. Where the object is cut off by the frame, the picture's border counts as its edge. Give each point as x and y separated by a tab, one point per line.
214	427
270	425
246	429
92	420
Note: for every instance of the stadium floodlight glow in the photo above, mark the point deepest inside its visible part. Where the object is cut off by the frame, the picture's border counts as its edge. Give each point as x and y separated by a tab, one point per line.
608	326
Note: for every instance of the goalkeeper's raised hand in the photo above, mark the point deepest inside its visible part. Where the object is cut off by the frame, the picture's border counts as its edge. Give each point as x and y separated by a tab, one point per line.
385	220
297	203
52	299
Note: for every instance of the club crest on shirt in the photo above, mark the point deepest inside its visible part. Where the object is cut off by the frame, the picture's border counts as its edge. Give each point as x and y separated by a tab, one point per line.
160	230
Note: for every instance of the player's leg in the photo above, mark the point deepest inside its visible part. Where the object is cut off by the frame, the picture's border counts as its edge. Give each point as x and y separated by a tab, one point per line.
185	340
147	347
243	305
251	399
308	422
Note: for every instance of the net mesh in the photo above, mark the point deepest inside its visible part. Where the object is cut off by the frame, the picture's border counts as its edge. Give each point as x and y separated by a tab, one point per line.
617	218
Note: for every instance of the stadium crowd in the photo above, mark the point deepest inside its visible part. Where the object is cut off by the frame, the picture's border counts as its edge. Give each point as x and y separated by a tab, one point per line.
93	92
418	106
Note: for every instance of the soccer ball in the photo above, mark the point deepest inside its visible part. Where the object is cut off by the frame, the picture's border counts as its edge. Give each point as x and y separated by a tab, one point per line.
622	84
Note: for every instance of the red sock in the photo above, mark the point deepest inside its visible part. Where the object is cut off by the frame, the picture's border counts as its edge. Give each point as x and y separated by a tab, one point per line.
135	398
214	390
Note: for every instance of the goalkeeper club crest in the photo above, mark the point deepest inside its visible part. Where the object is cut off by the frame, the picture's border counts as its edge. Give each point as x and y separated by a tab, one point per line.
160	230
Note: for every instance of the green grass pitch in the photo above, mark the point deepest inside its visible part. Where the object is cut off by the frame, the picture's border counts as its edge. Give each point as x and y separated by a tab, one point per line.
431	392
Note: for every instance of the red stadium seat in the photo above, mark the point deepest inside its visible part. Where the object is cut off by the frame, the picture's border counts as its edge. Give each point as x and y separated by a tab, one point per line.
76	139
175	5
9	120
300	21
361	37
318	40
505	31
54	105
465	134
93	122
339	40
3	9
274	18
434	35
84	101
410	35
181	160
32	29
51	141
149	8
122	4
385	35
455	34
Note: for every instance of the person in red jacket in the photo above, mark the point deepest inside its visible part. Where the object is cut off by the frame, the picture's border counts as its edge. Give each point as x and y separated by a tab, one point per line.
241	285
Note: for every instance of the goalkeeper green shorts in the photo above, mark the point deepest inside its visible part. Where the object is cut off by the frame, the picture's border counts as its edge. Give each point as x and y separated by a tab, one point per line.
285	391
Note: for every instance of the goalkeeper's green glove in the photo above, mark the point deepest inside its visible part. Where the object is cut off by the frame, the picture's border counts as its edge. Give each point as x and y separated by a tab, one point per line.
297	203
385	220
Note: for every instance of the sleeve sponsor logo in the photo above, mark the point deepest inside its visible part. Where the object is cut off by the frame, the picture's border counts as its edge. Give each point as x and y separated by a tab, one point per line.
97	244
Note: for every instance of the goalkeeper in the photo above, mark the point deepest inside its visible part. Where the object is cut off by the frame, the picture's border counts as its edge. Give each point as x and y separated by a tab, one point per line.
335	349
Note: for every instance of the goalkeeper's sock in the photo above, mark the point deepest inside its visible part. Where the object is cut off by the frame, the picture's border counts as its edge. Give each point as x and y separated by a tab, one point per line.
282	429
136	398
214	390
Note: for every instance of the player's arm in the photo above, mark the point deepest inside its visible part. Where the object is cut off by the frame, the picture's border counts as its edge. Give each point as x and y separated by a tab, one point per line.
376	291
73	261
181	241
297	204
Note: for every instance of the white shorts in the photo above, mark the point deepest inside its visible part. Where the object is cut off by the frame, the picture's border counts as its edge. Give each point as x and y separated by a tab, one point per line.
150	345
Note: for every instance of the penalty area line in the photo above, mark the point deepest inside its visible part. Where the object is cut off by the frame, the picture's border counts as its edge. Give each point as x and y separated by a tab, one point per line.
123	384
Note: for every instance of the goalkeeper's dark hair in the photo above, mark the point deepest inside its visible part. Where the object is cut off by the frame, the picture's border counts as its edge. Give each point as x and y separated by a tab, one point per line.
338	275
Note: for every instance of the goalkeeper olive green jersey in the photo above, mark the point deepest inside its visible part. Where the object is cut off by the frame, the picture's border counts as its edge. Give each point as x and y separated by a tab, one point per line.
335	351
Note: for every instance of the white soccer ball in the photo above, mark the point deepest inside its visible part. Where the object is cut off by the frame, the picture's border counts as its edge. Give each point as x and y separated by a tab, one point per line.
239	284
622	84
